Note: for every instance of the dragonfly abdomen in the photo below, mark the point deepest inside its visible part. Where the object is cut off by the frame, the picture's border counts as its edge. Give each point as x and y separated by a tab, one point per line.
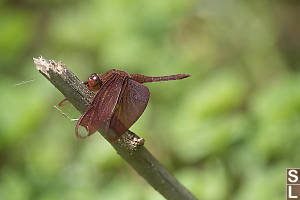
145	79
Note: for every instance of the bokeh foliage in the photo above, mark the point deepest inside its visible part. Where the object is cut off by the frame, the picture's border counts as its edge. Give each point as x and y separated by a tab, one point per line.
228	132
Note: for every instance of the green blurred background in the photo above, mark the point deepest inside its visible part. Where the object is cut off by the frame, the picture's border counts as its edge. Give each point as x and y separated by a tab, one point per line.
227	132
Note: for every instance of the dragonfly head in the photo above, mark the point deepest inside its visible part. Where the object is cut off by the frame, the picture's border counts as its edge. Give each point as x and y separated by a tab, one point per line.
94	82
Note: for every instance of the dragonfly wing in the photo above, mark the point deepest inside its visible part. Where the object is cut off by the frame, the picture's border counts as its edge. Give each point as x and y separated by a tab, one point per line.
132	105
102	106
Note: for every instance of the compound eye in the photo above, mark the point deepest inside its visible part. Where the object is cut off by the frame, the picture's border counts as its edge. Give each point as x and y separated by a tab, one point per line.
94	80
95	77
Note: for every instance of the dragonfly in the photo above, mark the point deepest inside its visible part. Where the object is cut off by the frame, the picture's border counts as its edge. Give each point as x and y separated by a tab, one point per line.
119	102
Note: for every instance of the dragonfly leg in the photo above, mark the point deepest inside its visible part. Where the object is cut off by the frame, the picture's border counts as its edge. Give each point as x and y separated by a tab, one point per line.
64	114
61	103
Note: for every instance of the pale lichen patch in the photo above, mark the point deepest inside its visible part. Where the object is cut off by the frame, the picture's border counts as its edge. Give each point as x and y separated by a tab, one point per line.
44	66
131	141
60	67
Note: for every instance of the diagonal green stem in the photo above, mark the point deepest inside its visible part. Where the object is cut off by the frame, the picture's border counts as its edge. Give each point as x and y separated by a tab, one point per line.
130	147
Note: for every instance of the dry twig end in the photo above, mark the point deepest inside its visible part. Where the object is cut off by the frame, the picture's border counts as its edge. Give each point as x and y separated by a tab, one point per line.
44	66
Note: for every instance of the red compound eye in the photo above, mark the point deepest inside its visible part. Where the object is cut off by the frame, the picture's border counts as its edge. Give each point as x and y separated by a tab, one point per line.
94	80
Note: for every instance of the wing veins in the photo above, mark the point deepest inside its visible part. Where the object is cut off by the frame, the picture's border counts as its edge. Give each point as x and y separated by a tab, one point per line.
111	89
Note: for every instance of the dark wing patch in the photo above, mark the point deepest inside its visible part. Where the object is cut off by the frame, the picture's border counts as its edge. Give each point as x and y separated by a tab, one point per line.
132	105
102	107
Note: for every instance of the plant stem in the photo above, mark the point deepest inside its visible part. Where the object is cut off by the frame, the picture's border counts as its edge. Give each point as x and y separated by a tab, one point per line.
130	147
